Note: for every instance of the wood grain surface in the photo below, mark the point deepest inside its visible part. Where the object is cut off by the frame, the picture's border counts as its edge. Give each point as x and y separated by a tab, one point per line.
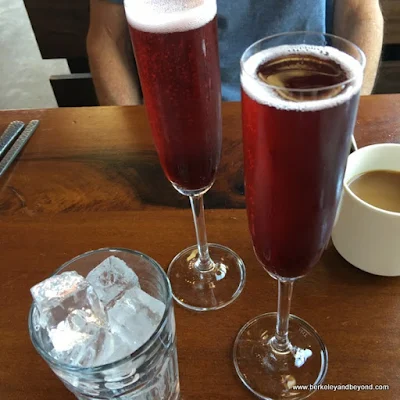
90	178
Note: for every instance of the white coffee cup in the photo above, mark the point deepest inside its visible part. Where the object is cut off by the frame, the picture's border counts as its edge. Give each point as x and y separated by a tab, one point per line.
366	236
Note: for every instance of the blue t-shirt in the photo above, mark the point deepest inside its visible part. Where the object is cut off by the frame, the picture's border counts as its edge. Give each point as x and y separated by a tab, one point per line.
243	22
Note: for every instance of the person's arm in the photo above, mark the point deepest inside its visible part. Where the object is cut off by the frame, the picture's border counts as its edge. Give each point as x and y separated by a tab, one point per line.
361	22
110	55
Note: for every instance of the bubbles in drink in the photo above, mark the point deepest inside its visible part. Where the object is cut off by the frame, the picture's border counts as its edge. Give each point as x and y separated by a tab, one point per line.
293	77
176	52
163	16
299	107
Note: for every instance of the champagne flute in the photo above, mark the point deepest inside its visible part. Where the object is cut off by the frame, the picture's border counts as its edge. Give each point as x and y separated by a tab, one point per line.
176	51
300	94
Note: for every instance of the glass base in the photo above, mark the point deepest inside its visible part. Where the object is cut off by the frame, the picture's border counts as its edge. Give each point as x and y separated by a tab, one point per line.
211	290
272	375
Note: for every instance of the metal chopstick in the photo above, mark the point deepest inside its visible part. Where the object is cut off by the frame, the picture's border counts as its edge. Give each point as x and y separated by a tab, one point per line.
18	146
12	131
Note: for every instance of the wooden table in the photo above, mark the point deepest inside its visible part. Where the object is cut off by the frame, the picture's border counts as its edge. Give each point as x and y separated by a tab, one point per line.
90	178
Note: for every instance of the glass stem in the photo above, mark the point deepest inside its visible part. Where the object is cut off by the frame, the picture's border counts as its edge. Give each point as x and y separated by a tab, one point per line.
204	262
280	341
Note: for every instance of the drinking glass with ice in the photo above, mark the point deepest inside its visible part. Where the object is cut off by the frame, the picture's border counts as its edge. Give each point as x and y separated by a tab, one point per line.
104	322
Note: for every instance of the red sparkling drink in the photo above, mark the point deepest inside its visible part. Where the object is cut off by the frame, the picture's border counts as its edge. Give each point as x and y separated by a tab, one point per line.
295	148
176	51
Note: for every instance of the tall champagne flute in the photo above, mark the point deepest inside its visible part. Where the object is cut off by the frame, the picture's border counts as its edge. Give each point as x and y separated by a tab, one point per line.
176	50
300	94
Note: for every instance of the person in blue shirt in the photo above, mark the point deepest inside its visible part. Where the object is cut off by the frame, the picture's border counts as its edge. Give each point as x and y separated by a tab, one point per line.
240	23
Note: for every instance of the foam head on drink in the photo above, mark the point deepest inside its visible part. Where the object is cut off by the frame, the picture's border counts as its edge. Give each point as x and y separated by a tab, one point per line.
176	50
263	93
299	107
165	16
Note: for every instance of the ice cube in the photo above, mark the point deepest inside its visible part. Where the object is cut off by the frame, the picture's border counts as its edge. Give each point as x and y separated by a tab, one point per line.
154	307
113	349
41	334
81	355
64	338
58	296
79	339
135	317
111	279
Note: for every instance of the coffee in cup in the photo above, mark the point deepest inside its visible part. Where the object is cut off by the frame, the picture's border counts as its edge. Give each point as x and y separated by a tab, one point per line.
379	188
367	228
